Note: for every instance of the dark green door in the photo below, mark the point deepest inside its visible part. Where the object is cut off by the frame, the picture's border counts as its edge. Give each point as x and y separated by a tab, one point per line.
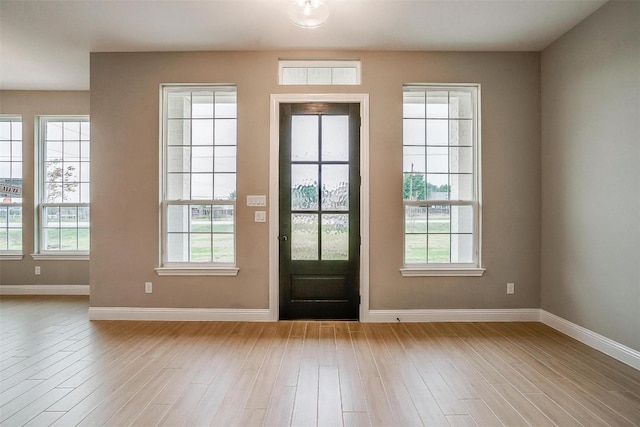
319	211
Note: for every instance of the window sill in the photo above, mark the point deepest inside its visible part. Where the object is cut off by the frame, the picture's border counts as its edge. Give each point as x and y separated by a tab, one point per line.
197	271
441	272
61	257
11	257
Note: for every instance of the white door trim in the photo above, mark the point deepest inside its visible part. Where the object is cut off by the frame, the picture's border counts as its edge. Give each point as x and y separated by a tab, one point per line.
274	191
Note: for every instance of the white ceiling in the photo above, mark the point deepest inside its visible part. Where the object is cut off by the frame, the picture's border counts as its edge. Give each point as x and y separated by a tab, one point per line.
45	44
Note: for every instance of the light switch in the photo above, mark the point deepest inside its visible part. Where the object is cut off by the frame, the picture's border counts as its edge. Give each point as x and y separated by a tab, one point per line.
260	216
260	200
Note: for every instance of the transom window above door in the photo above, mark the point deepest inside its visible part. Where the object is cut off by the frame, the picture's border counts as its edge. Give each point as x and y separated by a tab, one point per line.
319	72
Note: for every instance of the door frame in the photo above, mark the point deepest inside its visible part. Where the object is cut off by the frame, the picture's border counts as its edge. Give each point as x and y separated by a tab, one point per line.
274	191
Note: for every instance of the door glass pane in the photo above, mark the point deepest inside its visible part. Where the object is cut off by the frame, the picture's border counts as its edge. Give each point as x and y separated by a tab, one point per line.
335	237
304	236
335	187
304	138
304	187
335	138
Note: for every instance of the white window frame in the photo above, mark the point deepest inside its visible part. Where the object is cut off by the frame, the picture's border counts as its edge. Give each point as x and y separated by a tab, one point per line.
7	254
472	269
167	268
40	193
308	65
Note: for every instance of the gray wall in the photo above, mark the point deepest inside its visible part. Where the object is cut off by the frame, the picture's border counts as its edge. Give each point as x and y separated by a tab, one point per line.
125	148
591	174
30	104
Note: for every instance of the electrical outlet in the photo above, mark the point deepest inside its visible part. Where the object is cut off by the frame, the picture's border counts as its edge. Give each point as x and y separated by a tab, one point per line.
511	288
37	270
148	287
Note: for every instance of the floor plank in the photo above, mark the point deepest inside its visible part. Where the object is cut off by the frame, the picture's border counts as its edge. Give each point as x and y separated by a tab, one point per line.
68	371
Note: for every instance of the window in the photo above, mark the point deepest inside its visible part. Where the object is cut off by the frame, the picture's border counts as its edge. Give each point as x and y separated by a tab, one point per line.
441	181
63	190
10	187
319	72
198	180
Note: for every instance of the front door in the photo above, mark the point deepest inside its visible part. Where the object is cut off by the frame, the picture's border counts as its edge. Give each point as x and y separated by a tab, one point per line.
319	211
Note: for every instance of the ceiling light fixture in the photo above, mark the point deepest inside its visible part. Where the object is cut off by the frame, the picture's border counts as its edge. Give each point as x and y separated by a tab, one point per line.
308	13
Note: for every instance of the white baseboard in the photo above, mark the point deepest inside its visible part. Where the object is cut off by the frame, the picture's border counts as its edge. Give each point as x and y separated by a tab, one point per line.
44	289
179	314
606	345
455	315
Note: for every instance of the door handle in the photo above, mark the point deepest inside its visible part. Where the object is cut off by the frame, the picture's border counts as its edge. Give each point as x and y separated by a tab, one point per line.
282	238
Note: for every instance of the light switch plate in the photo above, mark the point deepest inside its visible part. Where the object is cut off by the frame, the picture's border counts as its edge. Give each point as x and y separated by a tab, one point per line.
260	216
259	200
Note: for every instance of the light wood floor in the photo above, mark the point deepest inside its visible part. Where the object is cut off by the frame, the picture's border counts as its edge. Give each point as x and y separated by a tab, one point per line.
57	368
